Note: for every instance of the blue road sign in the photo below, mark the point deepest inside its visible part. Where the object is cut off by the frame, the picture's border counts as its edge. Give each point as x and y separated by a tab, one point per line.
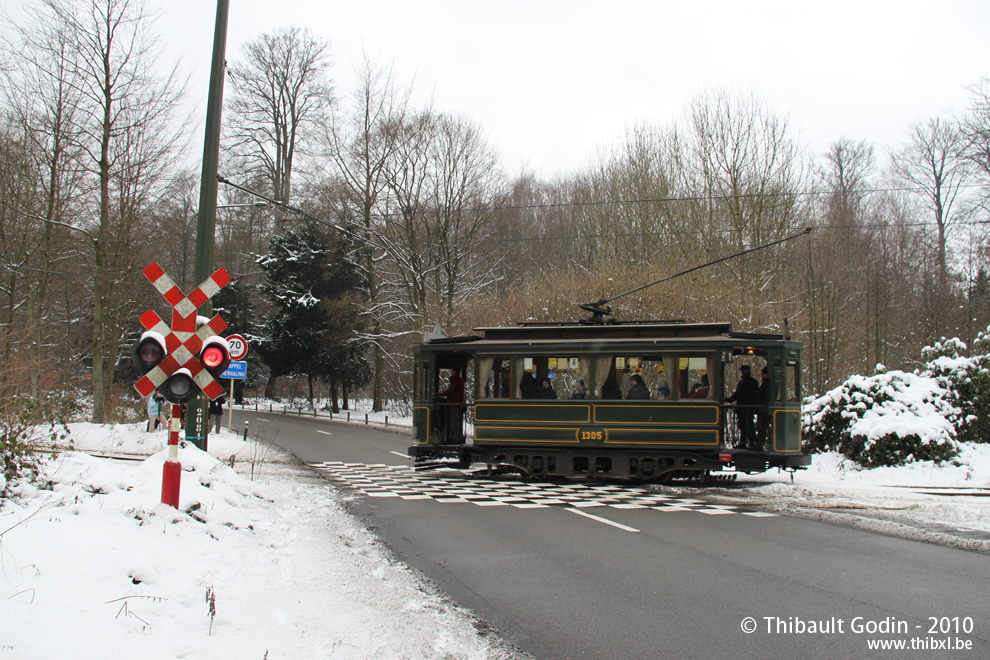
236	370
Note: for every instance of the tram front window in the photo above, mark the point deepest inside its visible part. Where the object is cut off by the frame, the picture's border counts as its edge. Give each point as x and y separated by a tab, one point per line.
792	381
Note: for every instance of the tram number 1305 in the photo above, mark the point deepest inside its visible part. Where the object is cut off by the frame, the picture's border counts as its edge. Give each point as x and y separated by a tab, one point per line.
592	435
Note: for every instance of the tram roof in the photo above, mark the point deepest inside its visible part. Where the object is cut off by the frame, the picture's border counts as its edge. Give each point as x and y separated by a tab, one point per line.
629	329
620	333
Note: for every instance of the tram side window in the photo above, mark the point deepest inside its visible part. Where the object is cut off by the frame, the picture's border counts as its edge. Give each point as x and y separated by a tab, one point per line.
694	377
495	378
654	370
568	375
550	377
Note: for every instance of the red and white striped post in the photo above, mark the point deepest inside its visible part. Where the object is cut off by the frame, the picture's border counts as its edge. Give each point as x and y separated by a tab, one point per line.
172	470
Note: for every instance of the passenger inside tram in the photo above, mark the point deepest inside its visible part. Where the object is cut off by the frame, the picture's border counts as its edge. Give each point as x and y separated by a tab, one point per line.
608	377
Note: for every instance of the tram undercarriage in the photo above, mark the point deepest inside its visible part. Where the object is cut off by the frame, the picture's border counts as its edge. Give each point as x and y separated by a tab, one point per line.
652	466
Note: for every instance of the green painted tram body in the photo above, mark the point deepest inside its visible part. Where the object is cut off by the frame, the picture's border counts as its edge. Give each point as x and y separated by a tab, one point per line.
651	439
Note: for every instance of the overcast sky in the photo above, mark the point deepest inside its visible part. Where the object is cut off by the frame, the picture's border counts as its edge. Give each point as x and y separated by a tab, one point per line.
552	81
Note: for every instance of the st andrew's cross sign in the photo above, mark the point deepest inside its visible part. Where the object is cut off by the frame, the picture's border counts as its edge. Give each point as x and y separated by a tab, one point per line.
184	345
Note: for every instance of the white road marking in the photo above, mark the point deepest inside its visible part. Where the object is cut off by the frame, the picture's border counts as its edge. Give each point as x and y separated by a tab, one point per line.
324	432
602	520
398	454
405	482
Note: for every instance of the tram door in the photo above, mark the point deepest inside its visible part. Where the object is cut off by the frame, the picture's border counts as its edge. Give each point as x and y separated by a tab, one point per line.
747	397
452	384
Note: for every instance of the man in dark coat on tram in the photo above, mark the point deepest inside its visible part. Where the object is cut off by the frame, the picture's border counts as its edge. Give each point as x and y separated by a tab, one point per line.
747	398
455	406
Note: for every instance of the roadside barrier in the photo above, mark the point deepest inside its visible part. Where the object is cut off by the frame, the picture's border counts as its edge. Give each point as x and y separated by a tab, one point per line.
387	421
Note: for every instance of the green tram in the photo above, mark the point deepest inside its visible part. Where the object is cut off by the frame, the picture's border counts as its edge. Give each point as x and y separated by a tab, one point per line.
554	400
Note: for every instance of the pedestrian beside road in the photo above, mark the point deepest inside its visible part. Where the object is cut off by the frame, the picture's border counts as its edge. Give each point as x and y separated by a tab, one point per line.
216	413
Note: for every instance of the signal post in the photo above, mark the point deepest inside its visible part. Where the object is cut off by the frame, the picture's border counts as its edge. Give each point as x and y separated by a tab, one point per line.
181	361
154	352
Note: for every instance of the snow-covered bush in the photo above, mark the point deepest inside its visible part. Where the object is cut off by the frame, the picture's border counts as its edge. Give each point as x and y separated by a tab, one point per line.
23	441
891	418
967	379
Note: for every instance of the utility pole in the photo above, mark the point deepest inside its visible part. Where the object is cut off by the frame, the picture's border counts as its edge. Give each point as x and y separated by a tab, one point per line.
197	420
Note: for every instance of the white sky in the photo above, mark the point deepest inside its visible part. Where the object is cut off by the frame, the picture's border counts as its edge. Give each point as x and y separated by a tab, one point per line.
550	81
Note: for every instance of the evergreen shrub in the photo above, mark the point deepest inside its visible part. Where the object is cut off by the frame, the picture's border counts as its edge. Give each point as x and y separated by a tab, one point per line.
891	418
965	374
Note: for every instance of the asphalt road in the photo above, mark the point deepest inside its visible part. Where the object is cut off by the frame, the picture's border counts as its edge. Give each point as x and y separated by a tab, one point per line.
681	580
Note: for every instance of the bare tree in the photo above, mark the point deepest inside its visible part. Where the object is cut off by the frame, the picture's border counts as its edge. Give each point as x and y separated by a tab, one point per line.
834	260
360	139
975	129
18	231
280	90
849	165
446	184
744	171
406	237
465	187
932	161
621	208
897	282
536	226
669	197
44	102
125	133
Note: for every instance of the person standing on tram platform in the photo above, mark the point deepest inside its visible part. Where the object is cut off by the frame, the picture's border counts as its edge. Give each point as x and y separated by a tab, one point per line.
746	397
455	406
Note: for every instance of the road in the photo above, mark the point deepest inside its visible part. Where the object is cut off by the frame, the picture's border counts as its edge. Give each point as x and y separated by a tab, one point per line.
601	571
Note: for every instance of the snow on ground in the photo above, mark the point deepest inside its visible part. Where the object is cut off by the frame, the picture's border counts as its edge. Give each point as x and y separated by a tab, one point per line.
98	568
262	561
947	504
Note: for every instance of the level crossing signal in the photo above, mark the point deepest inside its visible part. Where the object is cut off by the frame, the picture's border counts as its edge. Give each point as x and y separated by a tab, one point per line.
187	358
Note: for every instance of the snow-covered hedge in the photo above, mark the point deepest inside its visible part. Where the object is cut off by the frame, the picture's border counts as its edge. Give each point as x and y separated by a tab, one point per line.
967	379
23	440
892	418
896	418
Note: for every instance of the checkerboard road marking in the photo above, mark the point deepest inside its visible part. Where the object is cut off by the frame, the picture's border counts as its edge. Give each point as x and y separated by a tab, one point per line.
453	486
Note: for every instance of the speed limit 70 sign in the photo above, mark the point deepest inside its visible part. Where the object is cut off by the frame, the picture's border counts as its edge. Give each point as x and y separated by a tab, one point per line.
238	346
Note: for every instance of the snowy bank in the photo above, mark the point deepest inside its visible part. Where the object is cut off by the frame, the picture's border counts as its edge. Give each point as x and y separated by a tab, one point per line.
96	567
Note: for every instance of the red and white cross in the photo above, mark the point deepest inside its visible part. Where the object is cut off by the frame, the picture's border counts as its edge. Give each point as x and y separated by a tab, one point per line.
183	340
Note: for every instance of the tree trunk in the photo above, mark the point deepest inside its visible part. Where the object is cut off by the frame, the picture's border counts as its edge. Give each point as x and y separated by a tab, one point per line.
333	395
100	275
97	345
